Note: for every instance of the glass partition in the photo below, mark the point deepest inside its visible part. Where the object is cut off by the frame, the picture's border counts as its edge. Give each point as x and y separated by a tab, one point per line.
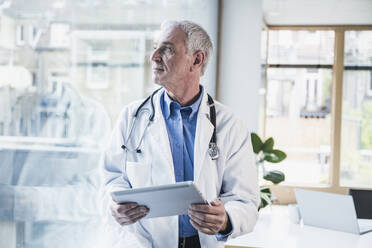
67	68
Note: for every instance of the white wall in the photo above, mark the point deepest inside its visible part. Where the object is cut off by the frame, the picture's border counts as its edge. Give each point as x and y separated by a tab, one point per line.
239	61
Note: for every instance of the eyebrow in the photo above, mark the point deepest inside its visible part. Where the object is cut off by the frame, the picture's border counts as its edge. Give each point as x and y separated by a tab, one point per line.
164	43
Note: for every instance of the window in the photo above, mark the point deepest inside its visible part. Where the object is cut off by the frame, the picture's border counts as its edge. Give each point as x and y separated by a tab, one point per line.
356	144
298	98
67	68
304	103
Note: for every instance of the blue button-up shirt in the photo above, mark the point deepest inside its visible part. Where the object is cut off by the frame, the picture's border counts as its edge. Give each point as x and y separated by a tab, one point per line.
181	126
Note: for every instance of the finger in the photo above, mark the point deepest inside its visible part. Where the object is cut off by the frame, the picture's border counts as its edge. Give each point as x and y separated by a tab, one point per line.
217	202
131	211
116	213
132	217
134	220
118	208
202	229
136	210
203	224
204	208
127	221
123	207
208	218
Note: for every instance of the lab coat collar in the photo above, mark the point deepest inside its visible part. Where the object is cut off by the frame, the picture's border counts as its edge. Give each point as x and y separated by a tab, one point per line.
161	145
204	131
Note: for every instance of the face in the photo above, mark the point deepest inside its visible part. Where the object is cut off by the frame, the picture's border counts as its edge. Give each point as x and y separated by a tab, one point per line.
170	62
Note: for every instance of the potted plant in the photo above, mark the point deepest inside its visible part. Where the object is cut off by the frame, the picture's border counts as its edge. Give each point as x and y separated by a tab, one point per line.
265	152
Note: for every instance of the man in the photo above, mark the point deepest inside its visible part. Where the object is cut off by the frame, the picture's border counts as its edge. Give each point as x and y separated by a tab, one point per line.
174	147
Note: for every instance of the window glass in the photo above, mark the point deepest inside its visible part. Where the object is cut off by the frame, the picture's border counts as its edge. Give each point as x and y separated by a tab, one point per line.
300	47
358	48
298	117
67	68
298	103
356	143
356	134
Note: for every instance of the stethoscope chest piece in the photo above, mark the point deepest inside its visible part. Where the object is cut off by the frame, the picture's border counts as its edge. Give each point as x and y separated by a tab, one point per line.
213	151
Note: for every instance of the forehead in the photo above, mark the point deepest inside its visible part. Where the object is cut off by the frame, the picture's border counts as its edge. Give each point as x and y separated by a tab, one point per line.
174	35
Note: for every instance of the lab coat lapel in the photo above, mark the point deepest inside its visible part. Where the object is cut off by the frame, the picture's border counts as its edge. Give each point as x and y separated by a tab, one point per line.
162	161
204	131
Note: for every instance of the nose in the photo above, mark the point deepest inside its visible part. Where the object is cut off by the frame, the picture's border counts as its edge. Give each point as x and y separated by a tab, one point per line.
156	56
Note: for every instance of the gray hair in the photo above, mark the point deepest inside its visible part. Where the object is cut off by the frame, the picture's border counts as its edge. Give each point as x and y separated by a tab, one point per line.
197	39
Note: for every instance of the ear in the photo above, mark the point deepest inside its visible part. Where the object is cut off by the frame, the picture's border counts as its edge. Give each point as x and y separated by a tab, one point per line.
198	59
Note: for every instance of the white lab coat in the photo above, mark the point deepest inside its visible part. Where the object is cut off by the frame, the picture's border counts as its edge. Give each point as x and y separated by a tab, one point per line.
232	178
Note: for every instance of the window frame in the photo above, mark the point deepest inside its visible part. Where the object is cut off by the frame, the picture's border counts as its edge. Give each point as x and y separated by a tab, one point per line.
284	193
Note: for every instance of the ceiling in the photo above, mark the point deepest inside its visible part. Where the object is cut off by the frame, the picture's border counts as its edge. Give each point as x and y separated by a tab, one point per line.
317	12
145	12
101	12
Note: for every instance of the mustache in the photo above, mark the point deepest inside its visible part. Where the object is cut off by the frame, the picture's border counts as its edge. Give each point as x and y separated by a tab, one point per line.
158	66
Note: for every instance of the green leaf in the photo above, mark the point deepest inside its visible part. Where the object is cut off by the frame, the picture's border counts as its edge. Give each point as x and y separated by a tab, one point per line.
256	143
265	200
274	176
262	204
275	156
268	145
265	196
265	189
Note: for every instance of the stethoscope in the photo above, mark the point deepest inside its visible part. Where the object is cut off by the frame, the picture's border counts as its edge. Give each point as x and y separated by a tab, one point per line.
213	148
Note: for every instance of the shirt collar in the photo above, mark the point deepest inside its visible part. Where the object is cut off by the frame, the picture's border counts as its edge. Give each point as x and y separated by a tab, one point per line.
170	105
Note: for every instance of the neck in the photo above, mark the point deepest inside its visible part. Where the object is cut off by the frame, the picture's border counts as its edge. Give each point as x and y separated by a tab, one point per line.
184	96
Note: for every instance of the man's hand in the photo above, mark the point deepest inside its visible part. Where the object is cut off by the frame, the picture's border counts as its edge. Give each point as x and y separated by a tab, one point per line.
208	219
128	213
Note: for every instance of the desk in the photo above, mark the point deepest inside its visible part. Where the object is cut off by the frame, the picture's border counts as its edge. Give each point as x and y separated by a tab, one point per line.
274	229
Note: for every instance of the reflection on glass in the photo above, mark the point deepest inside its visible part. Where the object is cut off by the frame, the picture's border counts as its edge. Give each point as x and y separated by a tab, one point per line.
111	67
67	68
299	118
356	144
358	48
301	47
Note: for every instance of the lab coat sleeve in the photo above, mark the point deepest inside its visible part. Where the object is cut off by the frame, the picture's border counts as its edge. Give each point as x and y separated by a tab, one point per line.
114	178
240	191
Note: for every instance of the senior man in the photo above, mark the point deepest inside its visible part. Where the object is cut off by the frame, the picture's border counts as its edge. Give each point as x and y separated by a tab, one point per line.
178	144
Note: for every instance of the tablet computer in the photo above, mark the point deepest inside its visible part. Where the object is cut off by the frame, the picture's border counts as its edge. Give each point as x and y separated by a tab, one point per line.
163	200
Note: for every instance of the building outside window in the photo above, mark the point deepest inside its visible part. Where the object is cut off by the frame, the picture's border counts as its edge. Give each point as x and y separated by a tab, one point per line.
299	104
356	143
298	99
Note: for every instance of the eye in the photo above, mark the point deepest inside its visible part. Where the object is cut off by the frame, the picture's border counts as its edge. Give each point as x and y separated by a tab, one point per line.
164	49
167	49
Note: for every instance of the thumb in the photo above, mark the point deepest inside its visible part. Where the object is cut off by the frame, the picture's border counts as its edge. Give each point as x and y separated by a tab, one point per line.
216	202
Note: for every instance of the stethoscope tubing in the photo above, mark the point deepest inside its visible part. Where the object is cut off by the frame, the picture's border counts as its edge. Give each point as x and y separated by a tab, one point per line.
213	148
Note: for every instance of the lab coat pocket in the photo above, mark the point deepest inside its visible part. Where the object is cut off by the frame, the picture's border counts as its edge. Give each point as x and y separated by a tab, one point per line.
139	174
